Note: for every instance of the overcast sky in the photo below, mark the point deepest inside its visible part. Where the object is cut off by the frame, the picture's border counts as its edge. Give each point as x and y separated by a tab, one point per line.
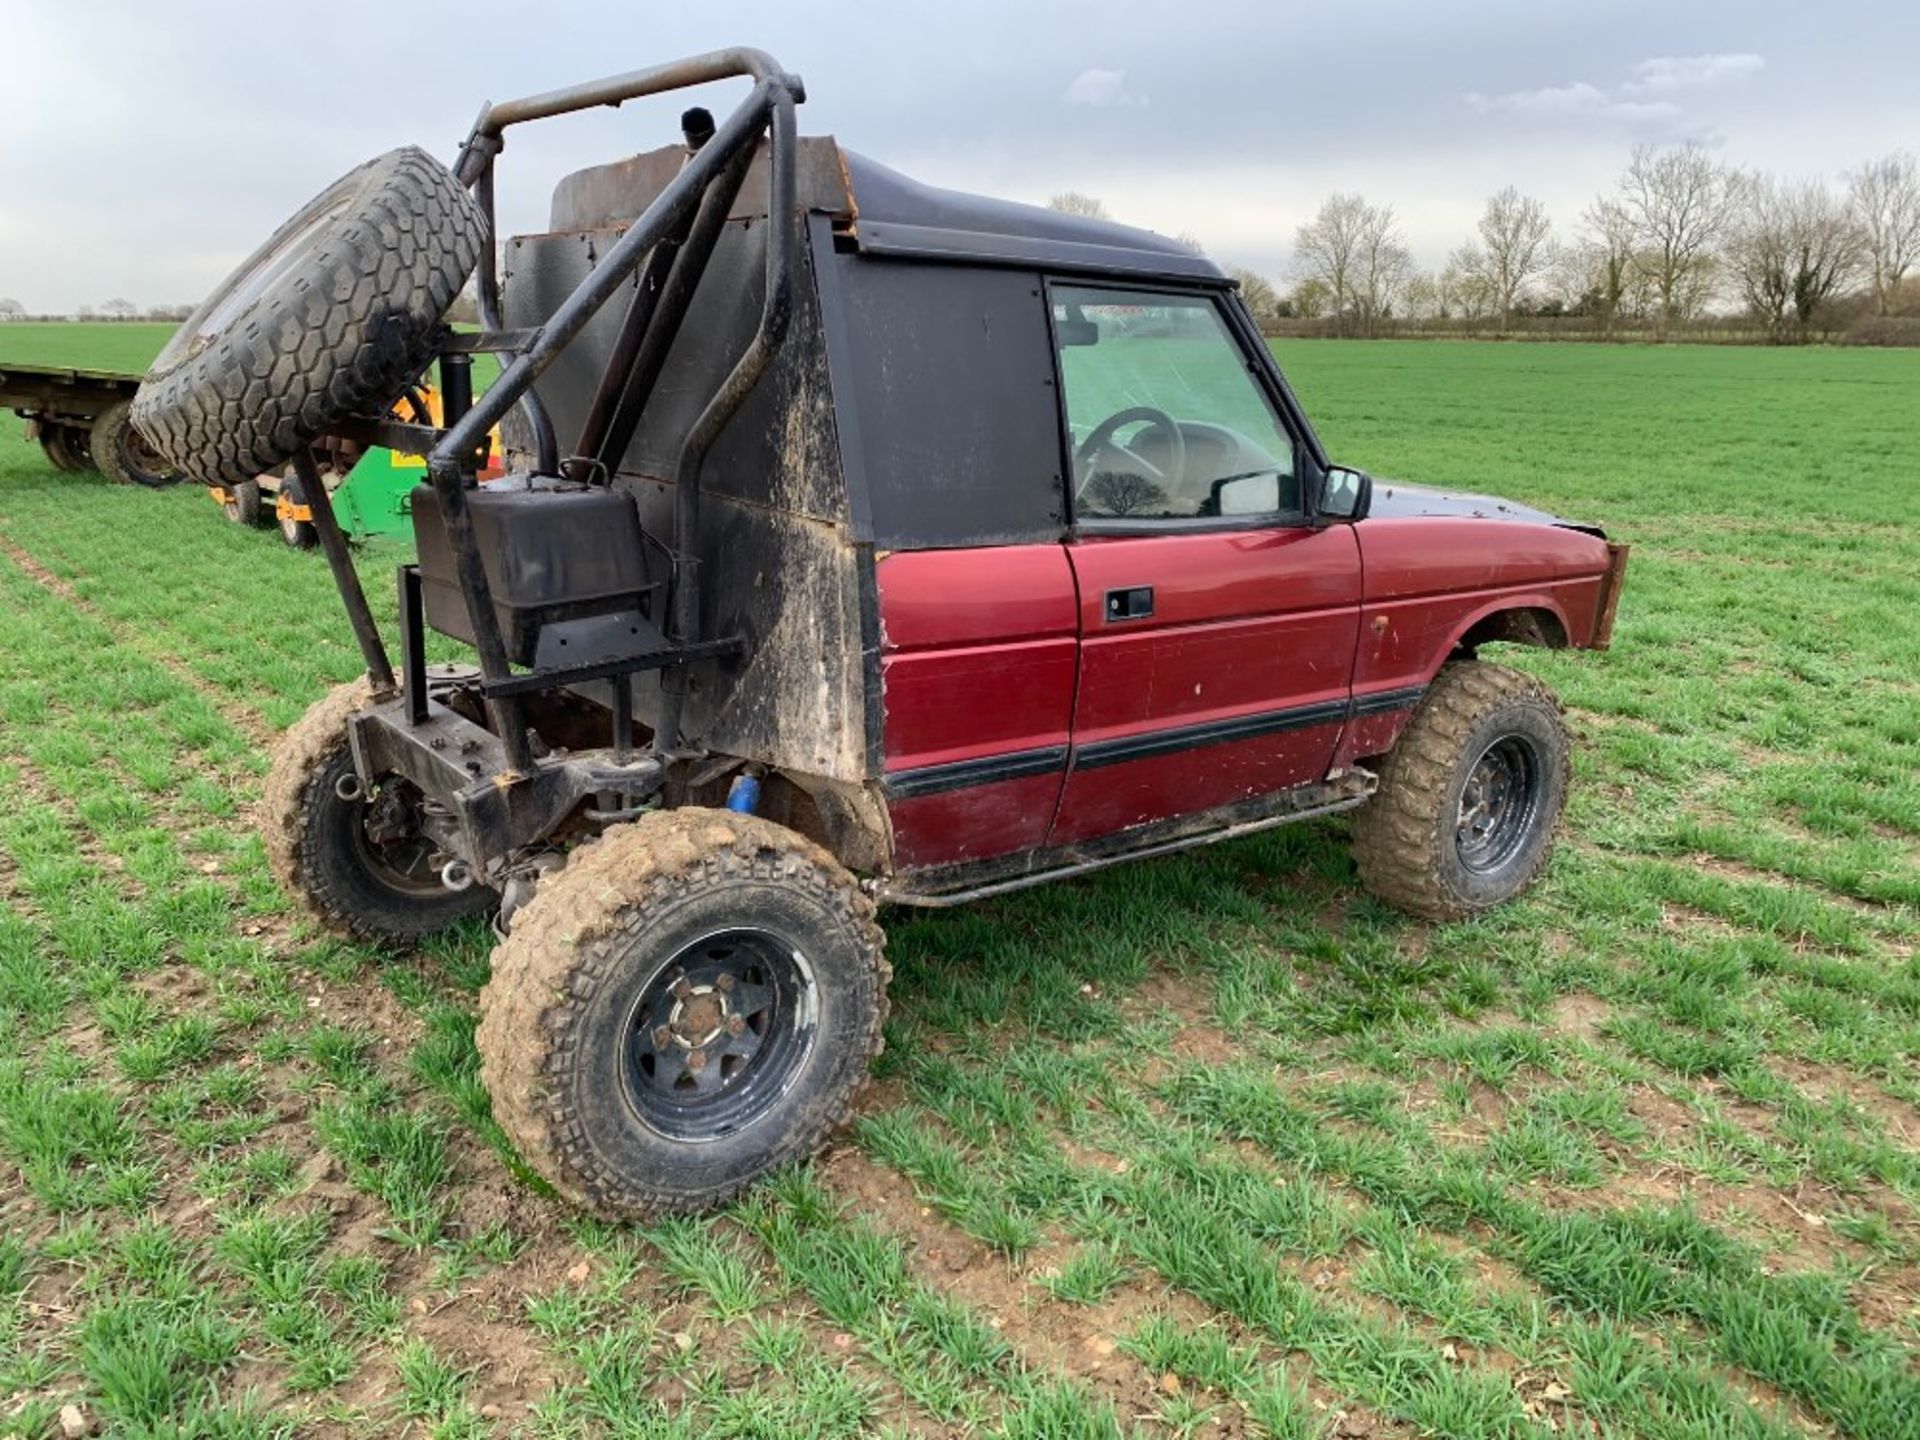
149	146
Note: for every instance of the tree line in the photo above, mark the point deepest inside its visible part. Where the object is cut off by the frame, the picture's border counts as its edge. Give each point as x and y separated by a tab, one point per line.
107	310
1679	236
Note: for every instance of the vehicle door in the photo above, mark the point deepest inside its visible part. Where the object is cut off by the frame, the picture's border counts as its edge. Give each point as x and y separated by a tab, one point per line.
1216	623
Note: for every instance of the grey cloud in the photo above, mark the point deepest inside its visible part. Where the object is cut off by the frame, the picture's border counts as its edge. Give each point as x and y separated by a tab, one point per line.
1691	72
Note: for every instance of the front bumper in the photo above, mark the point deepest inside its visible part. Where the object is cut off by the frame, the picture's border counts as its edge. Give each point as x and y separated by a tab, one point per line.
1611	581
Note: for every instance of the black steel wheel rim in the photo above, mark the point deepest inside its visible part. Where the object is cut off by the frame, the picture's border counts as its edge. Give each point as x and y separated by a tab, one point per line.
1499	804
390	845
718	1035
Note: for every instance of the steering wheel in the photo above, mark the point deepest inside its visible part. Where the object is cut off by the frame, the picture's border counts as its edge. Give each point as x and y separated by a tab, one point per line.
1102	440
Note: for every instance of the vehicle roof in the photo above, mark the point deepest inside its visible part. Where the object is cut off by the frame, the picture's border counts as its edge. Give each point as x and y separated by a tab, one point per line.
890	214
898	215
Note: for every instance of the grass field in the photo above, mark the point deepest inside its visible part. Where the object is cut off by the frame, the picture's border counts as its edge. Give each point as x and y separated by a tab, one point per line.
1211	1146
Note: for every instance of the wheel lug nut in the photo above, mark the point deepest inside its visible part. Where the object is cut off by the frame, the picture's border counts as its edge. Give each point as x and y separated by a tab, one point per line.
736	1026
682	989
725	982
696	1061
662	1037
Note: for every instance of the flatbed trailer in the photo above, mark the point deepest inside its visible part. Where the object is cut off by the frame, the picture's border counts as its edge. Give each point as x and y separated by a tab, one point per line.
80	418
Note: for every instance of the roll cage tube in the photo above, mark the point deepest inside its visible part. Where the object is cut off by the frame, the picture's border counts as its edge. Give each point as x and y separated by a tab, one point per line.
767	109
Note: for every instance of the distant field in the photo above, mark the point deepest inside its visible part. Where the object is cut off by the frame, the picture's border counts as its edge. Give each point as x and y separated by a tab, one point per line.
1211	1146
127	347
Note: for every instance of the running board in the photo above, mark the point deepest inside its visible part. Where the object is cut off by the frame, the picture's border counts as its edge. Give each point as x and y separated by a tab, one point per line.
1073	862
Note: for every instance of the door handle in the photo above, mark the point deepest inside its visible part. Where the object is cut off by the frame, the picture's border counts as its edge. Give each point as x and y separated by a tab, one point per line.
1133	603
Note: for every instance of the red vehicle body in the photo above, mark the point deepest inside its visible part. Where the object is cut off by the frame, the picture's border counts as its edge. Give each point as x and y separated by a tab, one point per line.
1019	717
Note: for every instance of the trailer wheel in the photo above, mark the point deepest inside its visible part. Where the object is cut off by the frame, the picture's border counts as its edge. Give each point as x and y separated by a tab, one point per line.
123	454
1469	795
245	508
66	447
298	533
690	1004
359	867
335	315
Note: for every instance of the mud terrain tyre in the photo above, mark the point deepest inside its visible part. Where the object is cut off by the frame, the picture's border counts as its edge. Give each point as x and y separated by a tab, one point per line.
1469	796
334	315
319	849
122	454
685	932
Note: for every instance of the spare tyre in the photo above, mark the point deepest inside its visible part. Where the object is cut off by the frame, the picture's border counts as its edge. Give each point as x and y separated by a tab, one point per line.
333	316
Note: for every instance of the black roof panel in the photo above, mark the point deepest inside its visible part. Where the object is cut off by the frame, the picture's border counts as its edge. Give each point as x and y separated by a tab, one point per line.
897	215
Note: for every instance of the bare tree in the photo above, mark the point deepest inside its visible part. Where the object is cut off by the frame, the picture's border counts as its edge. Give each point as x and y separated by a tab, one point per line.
1262	300
1792	248
1423	297
1465	288
1123	492
12	309
1679	200
1885	197
1385	264
1354	250
1072	202
118	310
1187	240
1311	298
1517	242
1604	260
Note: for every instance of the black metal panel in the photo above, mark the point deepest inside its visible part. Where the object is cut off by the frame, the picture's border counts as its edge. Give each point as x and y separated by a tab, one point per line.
950	370
900	215
897	215
777	568
775	451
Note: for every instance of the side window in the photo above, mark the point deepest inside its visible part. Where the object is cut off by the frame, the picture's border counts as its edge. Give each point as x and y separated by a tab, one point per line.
1165	421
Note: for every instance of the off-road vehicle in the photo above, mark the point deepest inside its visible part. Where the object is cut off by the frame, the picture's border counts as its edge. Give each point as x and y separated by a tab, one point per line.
870	544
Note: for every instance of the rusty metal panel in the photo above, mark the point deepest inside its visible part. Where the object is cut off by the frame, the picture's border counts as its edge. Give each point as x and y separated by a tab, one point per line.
613	195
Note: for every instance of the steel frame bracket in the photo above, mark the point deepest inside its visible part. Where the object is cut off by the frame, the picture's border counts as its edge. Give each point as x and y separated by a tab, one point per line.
496	808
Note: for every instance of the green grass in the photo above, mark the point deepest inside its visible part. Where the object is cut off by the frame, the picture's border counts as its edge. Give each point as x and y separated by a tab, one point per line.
1213	1145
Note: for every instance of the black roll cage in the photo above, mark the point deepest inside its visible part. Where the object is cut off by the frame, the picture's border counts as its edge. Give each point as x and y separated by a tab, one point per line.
674	238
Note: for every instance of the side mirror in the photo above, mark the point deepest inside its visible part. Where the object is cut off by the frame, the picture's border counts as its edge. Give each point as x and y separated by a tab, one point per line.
1246	494
1345	494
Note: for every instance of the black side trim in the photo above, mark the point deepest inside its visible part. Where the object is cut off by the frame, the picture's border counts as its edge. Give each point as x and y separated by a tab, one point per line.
1214	732
935	779
1383	700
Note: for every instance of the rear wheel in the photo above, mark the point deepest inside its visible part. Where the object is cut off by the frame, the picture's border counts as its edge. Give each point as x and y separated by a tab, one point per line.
691	1003
66	448
1469	797
123	454
361	866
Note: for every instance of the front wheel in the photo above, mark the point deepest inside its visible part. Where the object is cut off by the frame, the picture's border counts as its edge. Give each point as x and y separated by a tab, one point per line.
691	1003
1469	796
